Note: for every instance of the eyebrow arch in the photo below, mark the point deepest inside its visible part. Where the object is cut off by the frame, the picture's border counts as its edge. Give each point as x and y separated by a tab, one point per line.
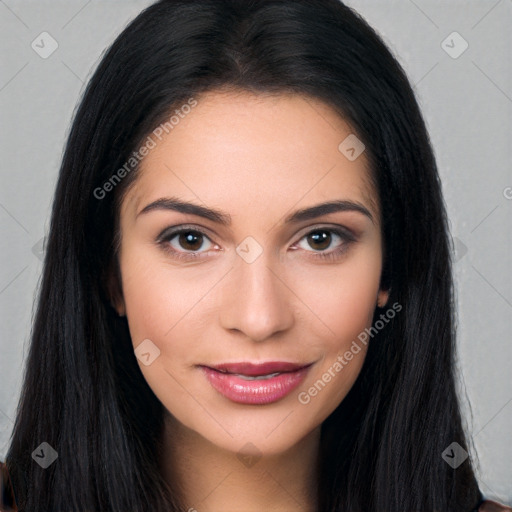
172	203
326	208
177	205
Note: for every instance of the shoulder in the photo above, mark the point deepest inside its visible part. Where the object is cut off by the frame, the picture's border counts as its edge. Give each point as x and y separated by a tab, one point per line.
7	502
492	506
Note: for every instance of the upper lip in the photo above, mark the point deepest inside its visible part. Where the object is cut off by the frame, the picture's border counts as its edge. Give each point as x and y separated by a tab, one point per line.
255	369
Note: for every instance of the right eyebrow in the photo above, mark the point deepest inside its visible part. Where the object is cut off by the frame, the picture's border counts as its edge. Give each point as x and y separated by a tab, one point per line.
172	203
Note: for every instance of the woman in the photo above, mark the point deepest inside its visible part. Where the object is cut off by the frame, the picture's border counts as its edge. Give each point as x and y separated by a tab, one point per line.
246	300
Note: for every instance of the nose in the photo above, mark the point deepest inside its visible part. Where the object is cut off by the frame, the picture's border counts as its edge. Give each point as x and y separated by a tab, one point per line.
256	300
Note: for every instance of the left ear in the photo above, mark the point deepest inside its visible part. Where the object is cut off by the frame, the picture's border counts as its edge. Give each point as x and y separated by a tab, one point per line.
382	298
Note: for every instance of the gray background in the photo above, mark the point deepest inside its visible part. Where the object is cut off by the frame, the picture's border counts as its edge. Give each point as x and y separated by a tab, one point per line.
467	103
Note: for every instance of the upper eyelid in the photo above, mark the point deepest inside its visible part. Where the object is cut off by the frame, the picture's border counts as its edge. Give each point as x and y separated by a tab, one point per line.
174	230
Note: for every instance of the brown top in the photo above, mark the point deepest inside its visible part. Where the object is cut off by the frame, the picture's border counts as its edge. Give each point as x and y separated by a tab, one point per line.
492	506
8	504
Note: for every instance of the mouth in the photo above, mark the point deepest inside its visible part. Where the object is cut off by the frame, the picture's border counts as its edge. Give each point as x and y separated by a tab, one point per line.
256	384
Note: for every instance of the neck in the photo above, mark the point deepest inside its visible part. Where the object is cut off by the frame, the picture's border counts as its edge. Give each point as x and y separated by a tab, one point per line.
208	478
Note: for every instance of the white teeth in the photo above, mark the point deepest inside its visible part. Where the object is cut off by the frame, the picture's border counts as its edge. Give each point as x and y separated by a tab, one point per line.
257	377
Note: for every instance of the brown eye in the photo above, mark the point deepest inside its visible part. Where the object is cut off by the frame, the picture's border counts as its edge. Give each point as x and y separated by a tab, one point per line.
319	240
190	240
186	242
327	243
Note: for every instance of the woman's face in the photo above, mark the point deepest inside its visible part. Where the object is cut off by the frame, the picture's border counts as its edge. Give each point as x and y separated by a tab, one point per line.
260	274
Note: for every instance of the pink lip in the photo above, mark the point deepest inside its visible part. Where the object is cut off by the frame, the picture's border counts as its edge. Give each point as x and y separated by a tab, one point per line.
224	379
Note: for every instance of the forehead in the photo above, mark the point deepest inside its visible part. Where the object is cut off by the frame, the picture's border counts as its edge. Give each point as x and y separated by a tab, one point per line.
245	152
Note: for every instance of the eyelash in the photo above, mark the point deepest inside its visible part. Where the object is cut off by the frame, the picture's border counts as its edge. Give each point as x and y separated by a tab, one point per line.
166	236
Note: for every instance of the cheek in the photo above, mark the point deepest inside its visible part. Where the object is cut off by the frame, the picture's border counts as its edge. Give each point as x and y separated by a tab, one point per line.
343	298
344	303
155	297
144	296
166	305
161	308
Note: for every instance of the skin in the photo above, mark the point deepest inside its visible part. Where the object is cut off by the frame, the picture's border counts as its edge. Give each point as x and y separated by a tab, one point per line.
258	158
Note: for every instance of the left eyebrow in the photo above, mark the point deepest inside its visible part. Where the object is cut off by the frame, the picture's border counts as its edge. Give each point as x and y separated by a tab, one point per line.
326	208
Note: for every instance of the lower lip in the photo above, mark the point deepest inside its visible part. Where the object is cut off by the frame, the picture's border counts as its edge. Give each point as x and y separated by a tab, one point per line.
255	392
